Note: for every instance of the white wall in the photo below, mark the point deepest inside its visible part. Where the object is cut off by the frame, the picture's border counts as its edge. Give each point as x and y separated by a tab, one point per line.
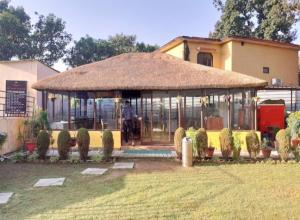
27	70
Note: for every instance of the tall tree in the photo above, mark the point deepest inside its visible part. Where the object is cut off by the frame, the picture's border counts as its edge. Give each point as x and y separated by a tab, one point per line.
142	47
122	43
45	41
265	19
48	40
88	49
14	30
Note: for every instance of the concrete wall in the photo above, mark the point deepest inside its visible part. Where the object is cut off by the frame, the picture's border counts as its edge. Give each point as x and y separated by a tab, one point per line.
95	138
251	58
226	56
177	51
27	70
43	72
16	70
11	126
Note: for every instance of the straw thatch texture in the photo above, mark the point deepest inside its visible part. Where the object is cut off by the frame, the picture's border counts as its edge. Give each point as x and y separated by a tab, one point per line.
145	71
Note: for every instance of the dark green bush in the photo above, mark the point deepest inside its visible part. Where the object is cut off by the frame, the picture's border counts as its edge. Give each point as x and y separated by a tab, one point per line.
178	136
226	142
201	142
284	142
83	142
43	142
252	142
108	144
63	143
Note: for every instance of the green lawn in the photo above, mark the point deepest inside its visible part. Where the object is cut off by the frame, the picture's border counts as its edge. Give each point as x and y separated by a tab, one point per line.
154	190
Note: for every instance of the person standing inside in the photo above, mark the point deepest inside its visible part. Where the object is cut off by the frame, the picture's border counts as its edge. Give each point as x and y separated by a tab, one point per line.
128	117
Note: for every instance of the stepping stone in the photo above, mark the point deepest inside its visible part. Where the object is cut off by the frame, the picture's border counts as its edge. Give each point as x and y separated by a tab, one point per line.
4	197
50	182
124	165
94	171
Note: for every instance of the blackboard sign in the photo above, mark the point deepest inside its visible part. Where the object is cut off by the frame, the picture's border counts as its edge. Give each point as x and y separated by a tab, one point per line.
16	93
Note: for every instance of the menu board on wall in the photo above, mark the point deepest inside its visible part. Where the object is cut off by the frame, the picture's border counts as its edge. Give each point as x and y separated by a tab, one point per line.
16	93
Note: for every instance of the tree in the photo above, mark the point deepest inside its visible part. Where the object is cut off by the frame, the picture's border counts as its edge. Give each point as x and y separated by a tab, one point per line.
88	49
45	41
122	43
264	19
142	47
14	30
48	40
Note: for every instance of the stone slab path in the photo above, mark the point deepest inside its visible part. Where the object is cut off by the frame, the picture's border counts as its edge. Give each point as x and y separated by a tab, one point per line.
124	165
4	197
94	171
50	182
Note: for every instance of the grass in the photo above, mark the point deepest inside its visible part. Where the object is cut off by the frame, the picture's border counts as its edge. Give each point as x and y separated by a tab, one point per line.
245	191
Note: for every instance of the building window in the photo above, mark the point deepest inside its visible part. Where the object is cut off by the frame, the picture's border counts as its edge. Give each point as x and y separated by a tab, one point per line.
266	70
205	59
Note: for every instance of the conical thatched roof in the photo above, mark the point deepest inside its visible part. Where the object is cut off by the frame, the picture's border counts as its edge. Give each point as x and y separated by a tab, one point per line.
145	71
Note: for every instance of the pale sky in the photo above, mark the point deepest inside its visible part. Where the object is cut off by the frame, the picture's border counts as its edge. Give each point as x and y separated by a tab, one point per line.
152	21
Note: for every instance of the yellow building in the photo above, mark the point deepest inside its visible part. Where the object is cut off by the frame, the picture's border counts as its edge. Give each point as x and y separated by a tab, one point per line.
275	62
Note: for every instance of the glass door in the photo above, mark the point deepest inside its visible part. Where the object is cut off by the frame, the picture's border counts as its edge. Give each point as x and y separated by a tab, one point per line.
160	117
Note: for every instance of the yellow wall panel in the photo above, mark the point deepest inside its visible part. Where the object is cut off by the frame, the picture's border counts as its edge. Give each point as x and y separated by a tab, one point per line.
95	138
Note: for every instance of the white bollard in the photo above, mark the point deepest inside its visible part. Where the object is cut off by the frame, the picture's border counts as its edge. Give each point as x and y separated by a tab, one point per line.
187	152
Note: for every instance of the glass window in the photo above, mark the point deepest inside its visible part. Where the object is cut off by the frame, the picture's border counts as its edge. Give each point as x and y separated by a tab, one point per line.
205	59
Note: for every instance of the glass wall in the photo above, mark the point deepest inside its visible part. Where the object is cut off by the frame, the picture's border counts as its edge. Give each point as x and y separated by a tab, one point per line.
242	110
220	108
161	111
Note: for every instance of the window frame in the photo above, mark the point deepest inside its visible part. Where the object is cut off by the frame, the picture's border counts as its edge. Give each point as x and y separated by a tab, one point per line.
205	54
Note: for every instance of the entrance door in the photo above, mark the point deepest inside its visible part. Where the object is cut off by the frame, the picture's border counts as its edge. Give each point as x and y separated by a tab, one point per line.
160	118
156	118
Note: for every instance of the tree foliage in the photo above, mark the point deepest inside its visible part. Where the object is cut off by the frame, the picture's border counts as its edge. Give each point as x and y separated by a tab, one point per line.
88	49
14	30
46	40
264	19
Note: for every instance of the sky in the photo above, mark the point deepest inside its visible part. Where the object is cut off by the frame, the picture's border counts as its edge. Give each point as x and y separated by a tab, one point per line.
152	21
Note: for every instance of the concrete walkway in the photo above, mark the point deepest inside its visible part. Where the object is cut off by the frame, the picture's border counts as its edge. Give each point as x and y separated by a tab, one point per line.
152	154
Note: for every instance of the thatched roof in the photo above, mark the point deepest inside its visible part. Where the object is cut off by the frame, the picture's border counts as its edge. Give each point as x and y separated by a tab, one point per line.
145	71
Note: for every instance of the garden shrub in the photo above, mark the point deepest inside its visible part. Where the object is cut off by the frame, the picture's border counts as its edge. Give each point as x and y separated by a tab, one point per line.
108	144
237	146
293	122
43	142
201	142
83	141
63	142
252	142
226	142
178	136
283	139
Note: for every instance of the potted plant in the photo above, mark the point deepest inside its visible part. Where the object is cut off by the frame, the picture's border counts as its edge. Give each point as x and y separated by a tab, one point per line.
31	129
209	151
293	123
265	148
30	141
72	142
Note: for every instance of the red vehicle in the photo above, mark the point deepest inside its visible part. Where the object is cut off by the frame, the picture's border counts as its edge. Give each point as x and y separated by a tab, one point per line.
270	117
